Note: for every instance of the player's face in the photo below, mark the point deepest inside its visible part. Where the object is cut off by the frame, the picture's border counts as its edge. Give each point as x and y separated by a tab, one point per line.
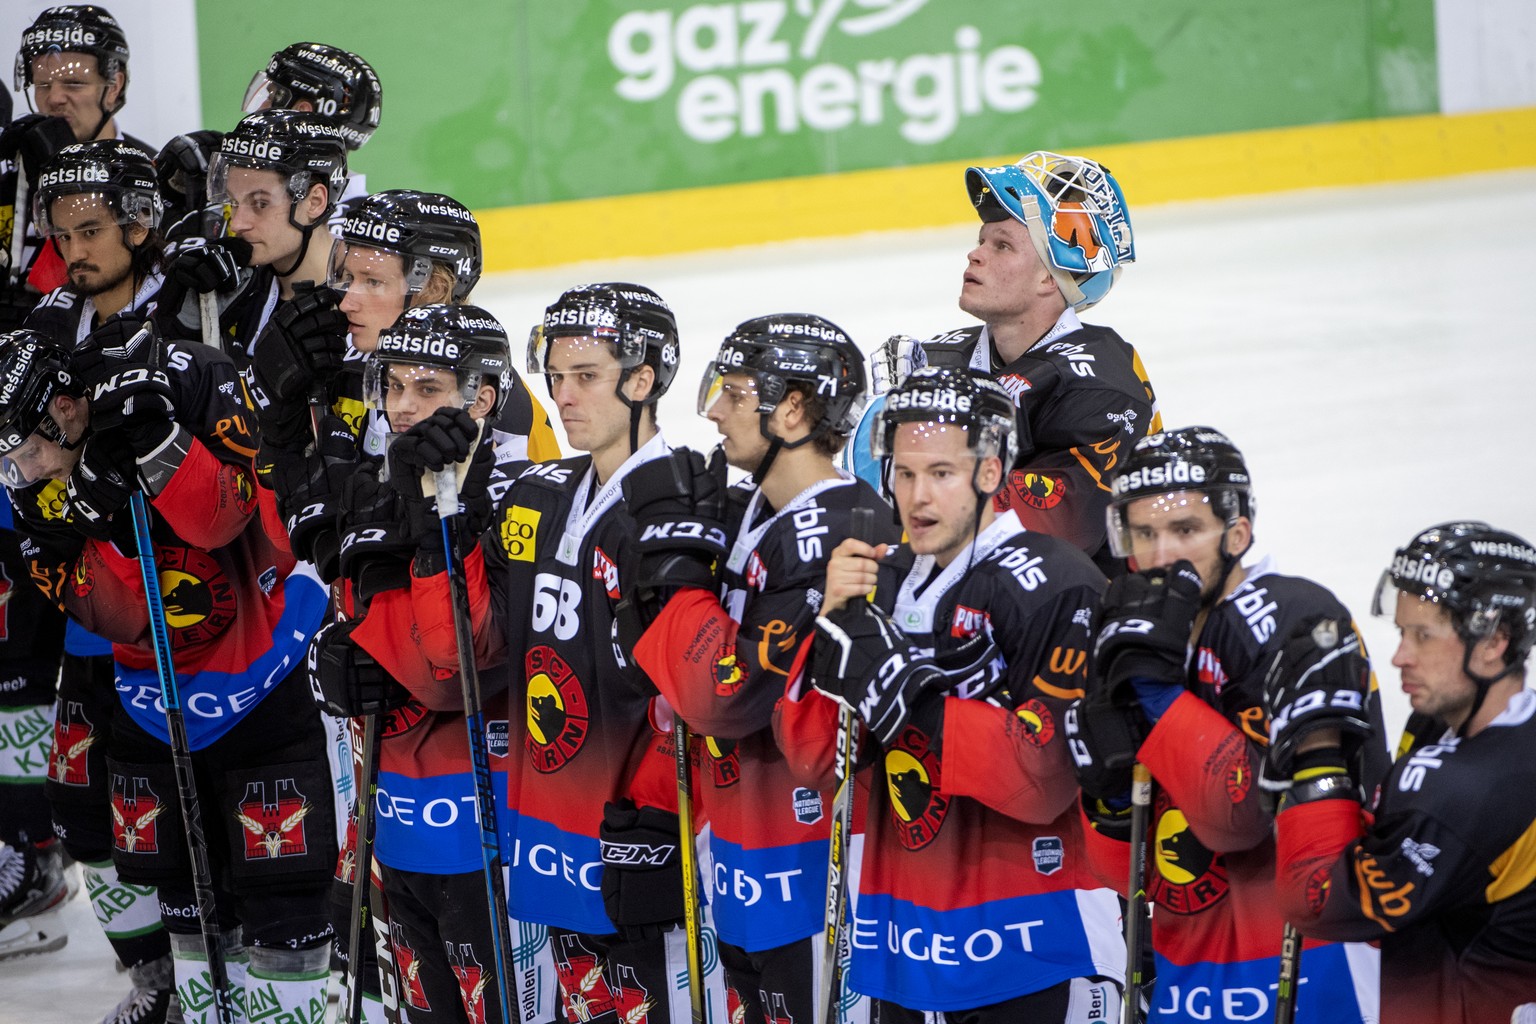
373	288
1004	277
70	85
1429	660
734	413
932	473
1165	528
43	458
259	205
412	393
91	243
583	376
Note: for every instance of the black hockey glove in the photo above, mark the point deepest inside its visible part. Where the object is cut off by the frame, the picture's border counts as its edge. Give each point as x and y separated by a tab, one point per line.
1142	636
678	504
36	139
204	265
1103	738
137	406
446	438
642	869
344	678
377	536
182	170
309	489
99	486
864	662
302	346
119	344
1318	679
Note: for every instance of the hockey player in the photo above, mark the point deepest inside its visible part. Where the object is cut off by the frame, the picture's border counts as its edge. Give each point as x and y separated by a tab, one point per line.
975	895
1055	235
239	623
543	588
73	68
435	357
1441	873
784	391
98	203
280	172
1177	683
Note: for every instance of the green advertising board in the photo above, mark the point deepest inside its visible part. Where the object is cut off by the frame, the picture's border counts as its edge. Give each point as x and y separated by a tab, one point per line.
506	102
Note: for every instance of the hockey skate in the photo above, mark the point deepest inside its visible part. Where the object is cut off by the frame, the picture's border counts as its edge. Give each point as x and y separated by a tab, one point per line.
32	885
150	998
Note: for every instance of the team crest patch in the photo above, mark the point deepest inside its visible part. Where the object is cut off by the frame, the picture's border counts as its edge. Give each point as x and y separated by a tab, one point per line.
1039	491
471	976
1239	779
728	675
272	820
1037	723
83	579
1317	889
73	736
199	600
245	494
557	710
1049	854
136	809
408	963
807	803
1189	877
912	777
603	569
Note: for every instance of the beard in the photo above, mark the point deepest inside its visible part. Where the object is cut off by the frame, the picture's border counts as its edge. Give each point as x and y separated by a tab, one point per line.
97	283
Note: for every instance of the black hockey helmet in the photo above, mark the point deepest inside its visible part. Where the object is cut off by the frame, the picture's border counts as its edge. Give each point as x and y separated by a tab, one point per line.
33	369
465	339
994	426
305	148
1199	459
637	321
336	83
75	28
422	228
787	348
1484	577
121	174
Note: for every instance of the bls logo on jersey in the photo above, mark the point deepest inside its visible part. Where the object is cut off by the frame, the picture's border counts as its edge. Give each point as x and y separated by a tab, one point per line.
557	710
199	601
604	569
73	736
408	963
135	809
1189	877
967	622
273	820
912	775
471	977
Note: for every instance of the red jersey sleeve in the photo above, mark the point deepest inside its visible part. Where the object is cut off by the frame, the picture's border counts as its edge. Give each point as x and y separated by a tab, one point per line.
1012	765
1202	760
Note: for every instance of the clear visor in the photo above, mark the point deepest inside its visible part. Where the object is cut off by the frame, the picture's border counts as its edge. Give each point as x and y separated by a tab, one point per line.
375	273
40	457
227	186
407	393
63	71
740	389
987	440
589	349
85	211
1138	526
265	94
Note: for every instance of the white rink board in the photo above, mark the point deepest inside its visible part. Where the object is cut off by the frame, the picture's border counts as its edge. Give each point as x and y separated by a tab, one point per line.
1370	350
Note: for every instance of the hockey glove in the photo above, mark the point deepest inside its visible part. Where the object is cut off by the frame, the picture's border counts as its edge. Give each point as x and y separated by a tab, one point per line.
1318	679
1144	624
137	406
201	265
302	346
1103	738
642	869
344	678
99	486
865	663
182	169
309	488
121	343
36	139
377	536
441	440
446	438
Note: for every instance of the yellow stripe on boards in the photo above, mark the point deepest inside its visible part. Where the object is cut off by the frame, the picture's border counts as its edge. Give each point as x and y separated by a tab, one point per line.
932	195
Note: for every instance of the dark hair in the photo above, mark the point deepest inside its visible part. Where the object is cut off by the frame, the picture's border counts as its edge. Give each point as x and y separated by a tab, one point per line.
829	442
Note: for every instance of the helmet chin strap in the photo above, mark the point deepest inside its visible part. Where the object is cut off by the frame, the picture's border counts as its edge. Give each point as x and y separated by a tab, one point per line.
306	230
1483	683
1228	563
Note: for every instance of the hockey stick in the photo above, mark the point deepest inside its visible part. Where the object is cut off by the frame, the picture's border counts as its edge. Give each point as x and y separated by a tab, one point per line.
362	870
208	309
1290	970
19	224
830	998
181	757
1136	905
446	483
693	920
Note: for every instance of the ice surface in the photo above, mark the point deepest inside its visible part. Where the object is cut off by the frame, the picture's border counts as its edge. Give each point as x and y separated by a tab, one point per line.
1371	350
